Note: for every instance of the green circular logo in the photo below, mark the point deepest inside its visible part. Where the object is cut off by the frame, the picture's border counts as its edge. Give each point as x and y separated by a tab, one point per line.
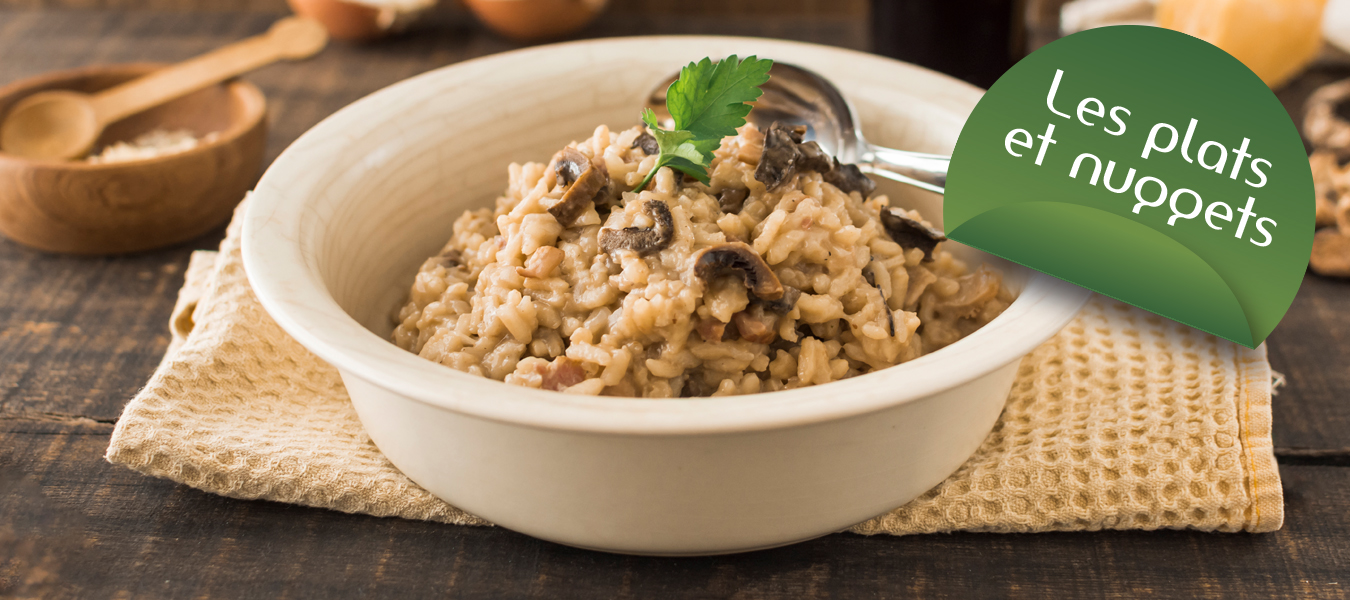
1144	164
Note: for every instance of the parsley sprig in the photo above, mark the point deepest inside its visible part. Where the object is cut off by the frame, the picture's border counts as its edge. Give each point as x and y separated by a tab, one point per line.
708	103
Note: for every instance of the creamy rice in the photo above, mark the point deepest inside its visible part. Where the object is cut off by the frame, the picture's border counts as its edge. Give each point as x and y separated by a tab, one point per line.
685	289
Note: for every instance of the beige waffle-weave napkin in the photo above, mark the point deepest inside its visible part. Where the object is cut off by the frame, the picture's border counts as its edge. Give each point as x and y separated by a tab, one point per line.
1123	420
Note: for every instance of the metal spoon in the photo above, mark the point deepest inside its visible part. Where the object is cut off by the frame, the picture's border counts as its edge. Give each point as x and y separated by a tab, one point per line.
801	97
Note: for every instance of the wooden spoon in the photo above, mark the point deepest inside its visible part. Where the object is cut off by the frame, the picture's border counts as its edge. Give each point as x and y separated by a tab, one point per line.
65	124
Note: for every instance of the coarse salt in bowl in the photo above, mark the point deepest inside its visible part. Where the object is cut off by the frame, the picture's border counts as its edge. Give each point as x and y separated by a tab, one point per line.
339	224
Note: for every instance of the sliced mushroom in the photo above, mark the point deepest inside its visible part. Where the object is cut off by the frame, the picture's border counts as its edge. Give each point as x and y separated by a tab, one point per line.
587	181
642	241
919	280
976	290
737	258
607	199
782	305
711	330
910	233
732	200
754	324
571	163
759	322
647	143
695	387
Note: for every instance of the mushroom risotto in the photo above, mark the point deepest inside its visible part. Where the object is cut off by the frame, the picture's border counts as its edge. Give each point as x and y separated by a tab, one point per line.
784	271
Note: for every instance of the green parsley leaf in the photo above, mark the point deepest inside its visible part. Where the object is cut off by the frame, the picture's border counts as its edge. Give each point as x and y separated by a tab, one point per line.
708	103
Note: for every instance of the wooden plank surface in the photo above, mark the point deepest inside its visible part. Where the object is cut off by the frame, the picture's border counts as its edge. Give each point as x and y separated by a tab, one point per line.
77	530
1311	348
79	336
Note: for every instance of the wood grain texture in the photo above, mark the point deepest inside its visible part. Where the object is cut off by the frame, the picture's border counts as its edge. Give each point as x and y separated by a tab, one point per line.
77	528
1311	347
78	337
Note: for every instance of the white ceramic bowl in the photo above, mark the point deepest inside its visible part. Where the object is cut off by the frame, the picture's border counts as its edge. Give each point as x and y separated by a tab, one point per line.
341	221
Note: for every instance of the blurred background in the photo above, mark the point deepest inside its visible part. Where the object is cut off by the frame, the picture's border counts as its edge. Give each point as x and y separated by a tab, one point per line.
974	40
1298	47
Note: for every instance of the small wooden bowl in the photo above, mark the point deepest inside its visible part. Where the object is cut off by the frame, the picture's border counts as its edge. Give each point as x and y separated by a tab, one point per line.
82	208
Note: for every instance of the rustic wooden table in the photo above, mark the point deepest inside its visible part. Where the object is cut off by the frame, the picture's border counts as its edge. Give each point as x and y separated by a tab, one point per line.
78	336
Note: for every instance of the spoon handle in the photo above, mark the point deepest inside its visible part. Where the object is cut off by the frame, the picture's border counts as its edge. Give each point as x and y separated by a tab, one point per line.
290	38
927	171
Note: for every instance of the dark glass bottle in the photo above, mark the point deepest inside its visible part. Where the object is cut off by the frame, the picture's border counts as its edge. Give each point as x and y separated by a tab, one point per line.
974	40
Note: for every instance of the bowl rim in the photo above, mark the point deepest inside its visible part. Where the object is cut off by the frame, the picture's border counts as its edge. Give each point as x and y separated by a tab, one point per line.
296	298
256	102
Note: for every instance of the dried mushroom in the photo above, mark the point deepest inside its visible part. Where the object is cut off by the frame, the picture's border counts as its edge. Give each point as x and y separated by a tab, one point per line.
737	258
813	158
759	322
647	144
777	163
637	239
711	330
585	180
849	178
732	200
871	277
785	155
782	305
910	233
695	387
